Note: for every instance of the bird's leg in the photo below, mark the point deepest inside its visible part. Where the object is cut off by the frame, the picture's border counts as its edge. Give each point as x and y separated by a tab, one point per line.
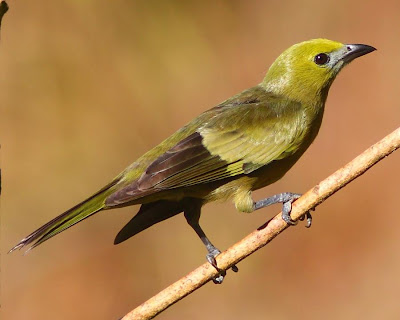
213	252
192	216
286	198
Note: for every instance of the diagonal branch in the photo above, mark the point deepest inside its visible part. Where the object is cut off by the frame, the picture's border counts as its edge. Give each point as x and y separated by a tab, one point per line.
268	231
3	9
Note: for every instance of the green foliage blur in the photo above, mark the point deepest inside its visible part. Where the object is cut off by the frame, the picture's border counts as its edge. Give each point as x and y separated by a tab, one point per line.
86	87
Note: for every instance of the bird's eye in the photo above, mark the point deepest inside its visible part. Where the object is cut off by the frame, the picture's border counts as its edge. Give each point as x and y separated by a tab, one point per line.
321	59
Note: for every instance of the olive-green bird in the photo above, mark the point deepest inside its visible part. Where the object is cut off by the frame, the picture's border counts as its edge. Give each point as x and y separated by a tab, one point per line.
243	144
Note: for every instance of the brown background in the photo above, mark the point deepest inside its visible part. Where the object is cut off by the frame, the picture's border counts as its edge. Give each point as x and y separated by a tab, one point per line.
88	86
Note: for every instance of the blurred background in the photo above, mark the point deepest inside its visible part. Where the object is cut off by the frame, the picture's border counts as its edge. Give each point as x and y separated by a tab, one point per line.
86	87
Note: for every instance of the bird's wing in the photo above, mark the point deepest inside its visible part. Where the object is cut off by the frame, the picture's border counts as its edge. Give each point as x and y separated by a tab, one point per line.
227	146
238	140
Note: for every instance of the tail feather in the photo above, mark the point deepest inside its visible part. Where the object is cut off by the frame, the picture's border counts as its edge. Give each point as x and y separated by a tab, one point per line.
67	219
149	214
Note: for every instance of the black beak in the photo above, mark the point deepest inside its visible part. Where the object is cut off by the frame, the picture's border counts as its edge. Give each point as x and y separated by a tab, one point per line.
356	50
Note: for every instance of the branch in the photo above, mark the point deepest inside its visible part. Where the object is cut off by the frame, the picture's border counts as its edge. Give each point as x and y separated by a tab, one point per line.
268	231
3	9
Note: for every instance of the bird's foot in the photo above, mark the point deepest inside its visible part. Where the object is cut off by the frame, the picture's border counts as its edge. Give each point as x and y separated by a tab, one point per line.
286	198
212	254
287	208
309	218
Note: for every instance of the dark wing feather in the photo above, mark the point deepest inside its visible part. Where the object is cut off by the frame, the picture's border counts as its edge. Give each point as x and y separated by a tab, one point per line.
186	154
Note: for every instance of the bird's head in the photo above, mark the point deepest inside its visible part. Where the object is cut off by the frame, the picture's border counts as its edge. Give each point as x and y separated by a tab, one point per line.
305	71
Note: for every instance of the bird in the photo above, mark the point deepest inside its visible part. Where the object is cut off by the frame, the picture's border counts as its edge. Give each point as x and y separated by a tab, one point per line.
243	144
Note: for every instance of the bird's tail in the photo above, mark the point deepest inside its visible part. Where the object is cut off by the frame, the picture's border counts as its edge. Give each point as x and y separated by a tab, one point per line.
149	214
67	219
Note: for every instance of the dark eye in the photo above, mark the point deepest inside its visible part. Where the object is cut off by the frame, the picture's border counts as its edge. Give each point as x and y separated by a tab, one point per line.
321	59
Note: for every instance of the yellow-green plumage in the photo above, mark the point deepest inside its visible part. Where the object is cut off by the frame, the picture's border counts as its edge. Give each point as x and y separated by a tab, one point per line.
243	144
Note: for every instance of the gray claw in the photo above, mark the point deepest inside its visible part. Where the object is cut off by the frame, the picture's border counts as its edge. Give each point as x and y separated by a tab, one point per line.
211	257
222	273
220	278
309	219
212	254
287	208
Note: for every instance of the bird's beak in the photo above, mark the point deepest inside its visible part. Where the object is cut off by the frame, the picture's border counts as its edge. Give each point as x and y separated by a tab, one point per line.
354	51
